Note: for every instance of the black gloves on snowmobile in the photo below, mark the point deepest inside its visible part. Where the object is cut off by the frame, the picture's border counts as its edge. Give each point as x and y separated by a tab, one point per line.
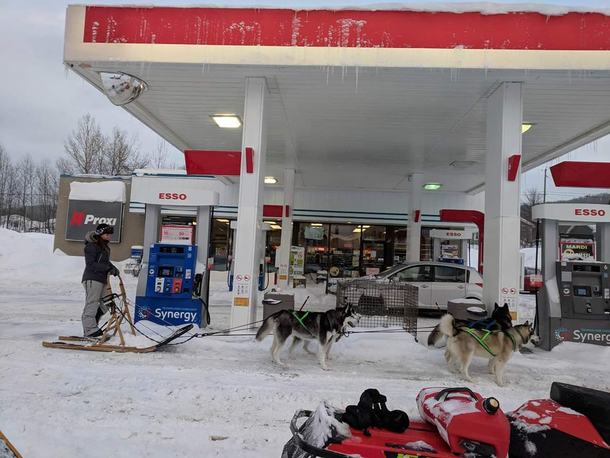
114	271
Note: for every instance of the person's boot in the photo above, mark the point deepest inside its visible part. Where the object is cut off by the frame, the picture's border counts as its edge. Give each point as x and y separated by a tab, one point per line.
98	315
98	333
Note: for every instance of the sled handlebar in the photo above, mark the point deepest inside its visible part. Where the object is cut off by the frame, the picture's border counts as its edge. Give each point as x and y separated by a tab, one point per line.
447	391
306	446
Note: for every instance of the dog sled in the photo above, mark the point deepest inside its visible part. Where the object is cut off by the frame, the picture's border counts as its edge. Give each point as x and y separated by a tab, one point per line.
118	315
458	422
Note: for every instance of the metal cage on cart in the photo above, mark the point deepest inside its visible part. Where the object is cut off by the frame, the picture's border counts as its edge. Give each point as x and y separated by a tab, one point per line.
381	304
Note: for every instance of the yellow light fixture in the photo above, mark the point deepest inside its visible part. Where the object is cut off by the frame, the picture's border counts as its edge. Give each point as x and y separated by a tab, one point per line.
276	226
316	224
269	222
223	220
526	126
270	180
366	227
357	230
227	121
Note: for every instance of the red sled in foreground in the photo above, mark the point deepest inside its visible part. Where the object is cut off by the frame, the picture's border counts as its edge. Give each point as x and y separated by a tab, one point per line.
459	422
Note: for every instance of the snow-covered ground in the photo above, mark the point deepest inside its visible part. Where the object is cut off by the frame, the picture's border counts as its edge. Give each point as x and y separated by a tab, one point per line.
215	396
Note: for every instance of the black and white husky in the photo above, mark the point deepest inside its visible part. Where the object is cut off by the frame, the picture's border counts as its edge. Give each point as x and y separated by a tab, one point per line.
323	327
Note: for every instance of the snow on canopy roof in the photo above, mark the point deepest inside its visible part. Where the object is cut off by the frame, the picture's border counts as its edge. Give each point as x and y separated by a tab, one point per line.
99	191
485	8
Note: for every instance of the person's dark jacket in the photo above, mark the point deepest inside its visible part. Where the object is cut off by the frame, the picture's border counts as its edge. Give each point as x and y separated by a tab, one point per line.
97	259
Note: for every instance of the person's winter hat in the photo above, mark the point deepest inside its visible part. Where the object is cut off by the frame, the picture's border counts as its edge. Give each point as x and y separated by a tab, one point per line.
104	229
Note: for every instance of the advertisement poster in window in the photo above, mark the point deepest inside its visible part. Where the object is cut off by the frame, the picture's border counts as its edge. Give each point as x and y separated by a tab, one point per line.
177	234
577	251
297	260
449	251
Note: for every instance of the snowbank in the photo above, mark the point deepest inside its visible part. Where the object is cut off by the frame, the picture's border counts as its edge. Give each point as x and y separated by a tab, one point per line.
101	191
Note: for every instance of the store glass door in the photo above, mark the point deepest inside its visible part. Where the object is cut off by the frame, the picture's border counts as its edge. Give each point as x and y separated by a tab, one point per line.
345	249
373	249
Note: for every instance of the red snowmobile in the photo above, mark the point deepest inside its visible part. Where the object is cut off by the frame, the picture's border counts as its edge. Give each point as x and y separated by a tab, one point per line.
575	422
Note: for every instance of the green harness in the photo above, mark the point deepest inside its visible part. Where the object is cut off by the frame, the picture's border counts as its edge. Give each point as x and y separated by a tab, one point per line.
487	333
300	320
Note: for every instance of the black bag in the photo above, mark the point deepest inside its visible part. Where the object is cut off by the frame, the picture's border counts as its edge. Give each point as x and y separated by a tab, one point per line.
371	411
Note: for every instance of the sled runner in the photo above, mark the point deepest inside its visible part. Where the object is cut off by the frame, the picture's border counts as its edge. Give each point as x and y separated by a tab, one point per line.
7	449
117	316
575	422
84	343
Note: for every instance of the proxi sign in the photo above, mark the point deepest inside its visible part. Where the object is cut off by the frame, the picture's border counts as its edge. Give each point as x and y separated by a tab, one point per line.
586	213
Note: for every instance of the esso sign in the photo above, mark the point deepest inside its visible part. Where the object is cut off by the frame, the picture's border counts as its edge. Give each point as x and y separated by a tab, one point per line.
172	196
589	212
454	234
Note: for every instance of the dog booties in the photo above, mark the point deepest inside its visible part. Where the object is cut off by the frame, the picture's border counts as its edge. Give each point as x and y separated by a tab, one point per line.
371	412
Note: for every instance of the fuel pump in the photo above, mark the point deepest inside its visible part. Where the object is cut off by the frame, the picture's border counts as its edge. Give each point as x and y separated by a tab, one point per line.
262	266
574	301
173	287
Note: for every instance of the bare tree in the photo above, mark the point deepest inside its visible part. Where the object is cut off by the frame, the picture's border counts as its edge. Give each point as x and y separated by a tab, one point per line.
5	169
26	182
47	190
84	146
159	159
121	155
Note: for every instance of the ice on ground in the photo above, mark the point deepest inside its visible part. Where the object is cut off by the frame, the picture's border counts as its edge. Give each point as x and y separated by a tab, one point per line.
173	402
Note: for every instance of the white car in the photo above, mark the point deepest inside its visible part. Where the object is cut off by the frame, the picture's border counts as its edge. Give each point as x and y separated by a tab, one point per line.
438	282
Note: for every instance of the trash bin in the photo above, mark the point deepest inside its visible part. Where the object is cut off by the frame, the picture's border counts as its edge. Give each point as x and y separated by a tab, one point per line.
459	308
287	303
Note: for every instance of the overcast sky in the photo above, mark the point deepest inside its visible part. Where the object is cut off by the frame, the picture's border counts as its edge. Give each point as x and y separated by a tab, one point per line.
40	102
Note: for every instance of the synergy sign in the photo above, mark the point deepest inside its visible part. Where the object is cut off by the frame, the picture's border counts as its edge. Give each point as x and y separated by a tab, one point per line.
580	331
85	215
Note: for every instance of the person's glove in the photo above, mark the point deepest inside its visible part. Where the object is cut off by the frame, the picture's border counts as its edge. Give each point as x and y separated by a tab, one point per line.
115	272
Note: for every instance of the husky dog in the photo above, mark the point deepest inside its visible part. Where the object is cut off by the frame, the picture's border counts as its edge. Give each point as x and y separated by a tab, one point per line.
499	346
500	320
325	328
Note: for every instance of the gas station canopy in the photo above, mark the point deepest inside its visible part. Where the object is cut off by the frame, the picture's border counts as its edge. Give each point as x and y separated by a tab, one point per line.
357	98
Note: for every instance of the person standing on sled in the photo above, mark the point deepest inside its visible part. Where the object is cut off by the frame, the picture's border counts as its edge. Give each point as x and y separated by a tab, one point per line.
97	267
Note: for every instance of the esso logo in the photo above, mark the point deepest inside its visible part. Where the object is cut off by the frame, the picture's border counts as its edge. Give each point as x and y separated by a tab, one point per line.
454	234
172	196
589	212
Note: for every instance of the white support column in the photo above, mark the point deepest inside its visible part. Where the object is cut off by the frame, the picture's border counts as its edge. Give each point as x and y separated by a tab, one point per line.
502	198
250	213
286	241
414	227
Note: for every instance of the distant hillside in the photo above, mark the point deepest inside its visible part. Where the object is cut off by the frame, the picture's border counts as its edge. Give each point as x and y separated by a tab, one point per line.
603	198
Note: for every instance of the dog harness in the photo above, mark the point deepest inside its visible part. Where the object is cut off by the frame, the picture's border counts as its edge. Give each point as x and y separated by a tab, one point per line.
300	320
487	333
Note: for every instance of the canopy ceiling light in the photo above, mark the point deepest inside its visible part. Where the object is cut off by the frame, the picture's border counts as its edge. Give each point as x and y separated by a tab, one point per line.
316	224
122	88
526	126
227	121
276	226
223	221
270	180
432	186
463	164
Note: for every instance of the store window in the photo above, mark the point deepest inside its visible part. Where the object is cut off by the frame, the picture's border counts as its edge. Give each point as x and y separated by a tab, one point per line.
219	247
373	249
274	240
314	237
400	245
345	249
